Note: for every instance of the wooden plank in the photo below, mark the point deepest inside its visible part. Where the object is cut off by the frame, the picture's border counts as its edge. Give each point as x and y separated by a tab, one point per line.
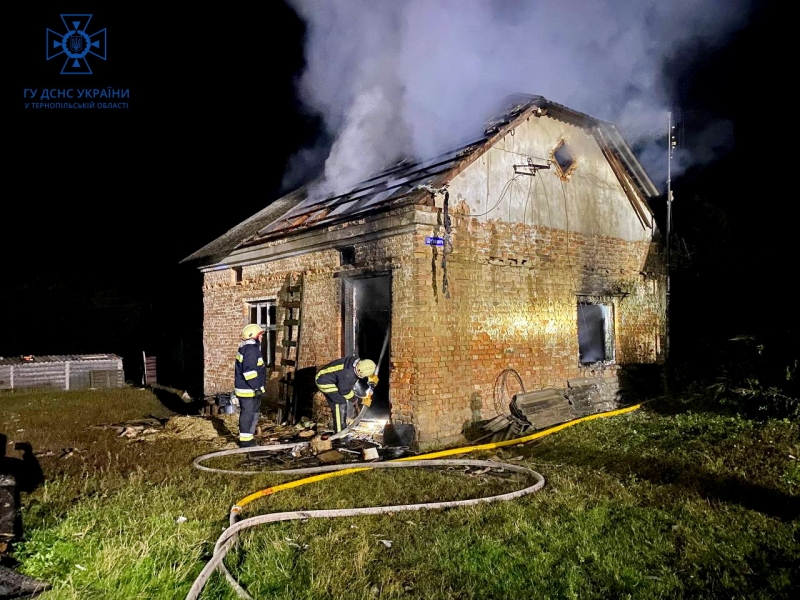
289	343
291	322
538	408
634	197
293	304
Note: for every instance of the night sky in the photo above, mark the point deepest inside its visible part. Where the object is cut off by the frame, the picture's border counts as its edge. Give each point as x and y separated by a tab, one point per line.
101	205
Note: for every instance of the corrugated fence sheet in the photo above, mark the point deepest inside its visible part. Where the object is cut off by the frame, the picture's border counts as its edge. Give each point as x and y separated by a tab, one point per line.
72	372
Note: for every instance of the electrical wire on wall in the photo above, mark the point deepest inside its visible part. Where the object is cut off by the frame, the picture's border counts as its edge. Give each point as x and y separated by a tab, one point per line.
525	216
447	247
499	200
566	215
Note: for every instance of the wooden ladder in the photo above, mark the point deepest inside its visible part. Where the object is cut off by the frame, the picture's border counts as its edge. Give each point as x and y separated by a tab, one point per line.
291	304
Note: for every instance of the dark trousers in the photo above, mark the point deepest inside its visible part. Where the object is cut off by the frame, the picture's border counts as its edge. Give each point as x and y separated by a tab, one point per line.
249	413
338	406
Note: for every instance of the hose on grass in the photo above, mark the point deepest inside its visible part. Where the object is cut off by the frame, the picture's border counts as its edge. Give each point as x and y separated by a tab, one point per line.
229	537
198	462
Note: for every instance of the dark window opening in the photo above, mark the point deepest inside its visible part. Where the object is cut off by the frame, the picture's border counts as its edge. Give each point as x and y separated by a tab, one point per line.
237	274
564	158
347	255
595	333
266	314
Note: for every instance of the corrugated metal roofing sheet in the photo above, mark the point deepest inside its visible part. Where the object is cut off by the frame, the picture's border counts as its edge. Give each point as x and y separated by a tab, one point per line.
394	183
63	372
50	358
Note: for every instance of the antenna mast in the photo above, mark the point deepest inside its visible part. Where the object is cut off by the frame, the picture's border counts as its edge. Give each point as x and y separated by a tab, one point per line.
671	142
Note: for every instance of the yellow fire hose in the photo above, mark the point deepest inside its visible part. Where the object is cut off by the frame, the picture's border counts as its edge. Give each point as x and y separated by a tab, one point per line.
230	535
442	453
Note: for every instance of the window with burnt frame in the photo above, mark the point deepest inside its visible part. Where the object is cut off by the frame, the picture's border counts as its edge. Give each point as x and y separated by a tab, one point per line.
595	332
564	160
265	314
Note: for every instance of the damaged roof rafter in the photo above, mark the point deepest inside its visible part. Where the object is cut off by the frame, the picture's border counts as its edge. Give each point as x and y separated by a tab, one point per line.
635	197
352	196
252	232
394	203
490	141
538	107
434	160
347	199
461	160
461	157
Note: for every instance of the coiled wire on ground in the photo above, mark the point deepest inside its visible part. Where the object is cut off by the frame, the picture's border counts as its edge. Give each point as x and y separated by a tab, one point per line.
502	399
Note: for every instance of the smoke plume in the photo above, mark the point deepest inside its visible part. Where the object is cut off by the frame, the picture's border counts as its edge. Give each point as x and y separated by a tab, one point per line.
396	78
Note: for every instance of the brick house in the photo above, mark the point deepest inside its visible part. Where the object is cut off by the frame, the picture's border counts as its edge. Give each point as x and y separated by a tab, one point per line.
532	248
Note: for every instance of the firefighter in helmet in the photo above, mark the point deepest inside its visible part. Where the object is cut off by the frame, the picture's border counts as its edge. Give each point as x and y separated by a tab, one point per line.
337	381
250	379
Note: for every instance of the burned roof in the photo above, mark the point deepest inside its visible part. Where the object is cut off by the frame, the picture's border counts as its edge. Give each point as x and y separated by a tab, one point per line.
406	181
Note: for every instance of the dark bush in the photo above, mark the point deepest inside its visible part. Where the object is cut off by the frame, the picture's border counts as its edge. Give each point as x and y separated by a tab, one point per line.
759	377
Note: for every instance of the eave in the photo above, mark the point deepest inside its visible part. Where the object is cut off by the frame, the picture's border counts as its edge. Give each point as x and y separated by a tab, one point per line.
369	228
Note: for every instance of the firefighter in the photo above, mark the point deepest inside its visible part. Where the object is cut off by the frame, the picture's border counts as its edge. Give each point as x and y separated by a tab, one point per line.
250	379
336	381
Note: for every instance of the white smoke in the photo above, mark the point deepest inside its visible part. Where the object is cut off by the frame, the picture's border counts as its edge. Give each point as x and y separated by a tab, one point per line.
354	153
417	77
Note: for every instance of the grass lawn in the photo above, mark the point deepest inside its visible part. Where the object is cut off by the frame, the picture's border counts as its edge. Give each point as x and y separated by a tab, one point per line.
664	502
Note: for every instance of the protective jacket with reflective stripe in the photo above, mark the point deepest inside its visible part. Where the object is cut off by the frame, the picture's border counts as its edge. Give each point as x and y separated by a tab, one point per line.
250	372
338	376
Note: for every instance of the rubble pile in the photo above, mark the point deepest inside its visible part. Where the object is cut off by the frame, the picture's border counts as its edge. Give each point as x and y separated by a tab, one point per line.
363	443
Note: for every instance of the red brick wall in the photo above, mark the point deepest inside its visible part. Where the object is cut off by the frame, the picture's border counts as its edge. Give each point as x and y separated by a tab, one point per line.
225	312
512	304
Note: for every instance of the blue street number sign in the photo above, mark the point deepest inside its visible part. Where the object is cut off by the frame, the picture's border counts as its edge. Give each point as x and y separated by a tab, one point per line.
434	241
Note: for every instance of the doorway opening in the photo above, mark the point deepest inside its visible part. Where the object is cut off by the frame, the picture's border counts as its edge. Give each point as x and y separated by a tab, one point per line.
367	330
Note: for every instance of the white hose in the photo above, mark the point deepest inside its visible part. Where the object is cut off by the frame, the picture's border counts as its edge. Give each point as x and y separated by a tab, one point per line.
229	537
